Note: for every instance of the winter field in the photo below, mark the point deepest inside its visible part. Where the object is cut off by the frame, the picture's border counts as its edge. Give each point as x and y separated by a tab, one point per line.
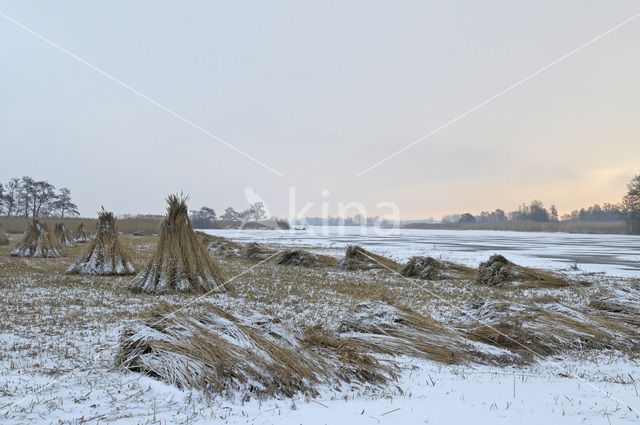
61	334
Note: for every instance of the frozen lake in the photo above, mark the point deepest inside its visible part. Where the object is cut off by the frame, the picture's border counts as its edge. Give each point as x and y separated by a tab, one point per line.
615	255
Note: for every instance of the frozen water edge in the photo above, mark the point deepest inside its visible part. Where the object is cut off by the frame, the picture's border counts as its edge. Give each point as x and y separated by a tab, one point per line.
613	255
427	393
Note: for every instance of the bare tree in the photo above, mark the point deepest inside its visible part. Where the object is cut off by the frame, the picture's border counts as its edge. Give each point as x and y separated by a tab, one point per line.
631	205
63	205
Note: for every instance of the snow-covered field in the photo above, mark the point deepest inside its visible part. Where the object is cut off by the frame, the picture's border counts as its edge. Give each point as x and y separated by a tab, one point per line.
615	255
59	337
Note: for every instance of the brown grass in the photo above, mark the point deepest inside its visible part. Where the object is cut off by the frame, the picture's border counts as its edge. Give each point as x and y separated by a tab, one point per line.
4	240
126	225
181	262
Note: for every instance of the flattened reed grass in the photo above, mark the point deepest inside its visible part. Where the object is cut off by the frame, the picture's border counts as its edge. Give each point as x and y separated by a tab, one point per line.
497	270
220	246
358	258
545	330
251	355
431	269
391	330
301	257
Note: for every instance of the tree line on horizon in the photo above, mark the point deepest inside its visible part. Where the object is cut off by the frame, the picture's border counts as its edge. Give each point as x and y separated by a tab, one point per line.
28	197
628	210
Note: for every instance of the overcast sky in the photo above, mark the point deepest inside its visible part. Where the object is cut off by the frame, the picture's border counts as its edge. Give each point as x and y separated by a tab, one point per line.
319	93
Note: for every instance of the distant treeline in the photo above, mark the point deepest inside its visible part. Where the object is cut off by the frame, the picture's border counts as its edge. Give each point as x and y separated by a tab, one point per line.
623	218
535	211
28	197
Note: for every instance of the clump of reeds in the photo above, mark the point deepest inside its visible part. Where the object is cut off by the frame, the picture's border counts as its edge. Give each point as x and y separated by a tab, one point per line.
255	251
38	242
498	270
429	268
63	236
358	258
391	330
180	262
81	235
219	246
4	239
235	356
303	258
105	255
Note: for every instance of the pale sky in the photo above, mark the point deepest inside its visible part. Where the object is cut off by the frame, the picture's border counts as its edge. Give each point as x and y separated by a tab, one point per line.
319	93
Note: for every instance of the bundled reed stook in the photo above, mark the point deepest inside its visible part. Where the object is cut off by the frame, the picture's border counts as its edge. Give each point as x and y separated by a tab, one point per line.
63	236
81	235
181	263
38	242
105	255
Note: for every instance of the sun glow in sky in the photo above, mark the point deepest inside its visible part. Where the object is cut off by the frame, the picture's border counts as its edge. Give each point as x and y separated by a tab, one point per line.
319	93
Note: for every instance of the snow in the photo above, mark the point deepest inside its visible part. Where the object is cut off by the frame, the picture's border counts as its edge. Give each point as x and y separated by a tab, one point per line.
431	393
613	255
88	389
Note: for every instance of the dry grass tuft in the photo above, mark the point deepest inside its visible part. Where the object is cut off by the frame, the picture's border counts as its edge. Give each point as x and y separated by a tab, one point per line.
181	263
105	255
4	239
498	270
81	235
358	258
254	355
38	242
431	269
63	236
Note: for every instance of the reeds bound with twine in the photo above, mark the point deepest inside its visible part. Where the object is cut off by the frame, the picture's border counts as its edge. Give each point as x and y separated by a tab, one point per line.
81	235
105	255
38	242
63	236
180	263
